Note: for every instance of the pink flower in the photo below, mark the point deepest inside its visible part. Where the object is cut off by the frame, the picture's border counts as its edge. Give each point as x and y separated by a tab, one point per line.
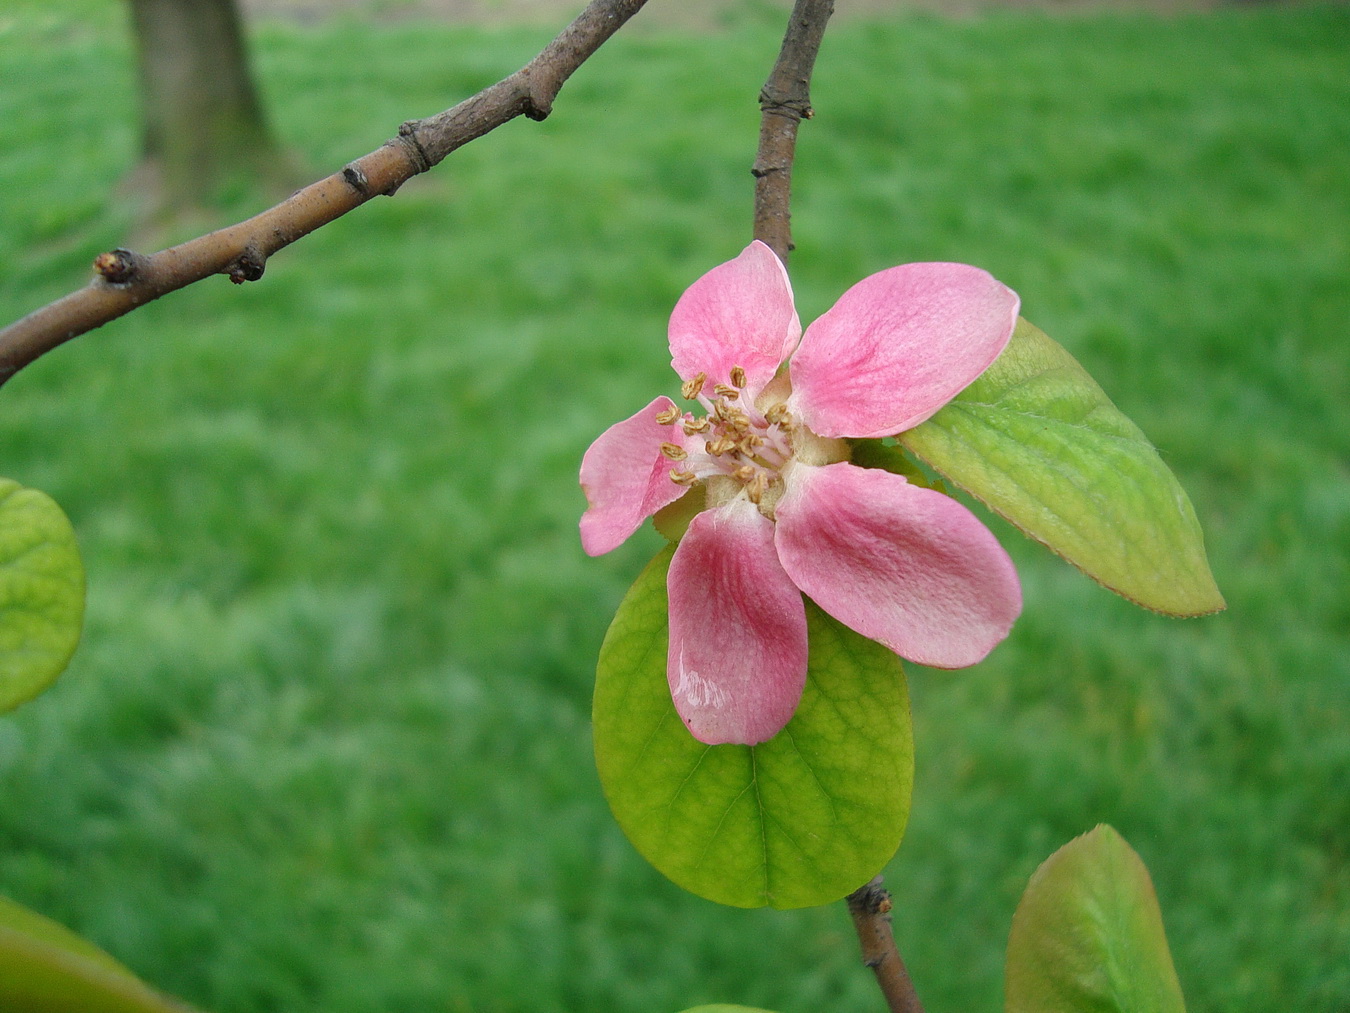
786	513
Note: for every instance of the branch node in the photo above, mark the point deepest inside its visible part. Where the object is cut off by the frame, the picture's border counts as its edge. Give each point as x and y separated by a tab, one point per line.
538	101
795	107
117	267
248	267
407	133
356	179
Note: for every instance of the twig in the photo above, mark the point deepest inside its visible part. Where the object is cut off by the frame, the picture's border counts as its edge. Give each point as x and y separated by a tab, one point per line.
784	101
126	280
870	906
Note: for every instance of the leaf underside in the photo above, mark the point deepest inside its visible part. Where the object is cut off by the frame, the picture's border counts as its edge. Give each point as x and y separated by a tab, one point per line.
1038	441
1088	937
800	820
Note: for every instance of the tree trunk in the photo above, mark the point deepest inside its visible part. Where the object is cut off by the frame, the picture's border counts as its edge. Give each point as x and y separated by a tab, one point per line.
204	129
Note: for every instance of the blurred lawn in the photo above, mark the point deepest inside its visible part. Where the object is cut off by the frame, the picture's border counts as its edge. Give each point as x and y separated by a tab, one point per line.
326	744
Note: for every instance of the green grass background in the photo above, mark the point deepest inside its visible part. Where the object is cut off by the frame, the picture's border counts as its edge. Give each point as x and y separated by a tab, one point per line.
326	744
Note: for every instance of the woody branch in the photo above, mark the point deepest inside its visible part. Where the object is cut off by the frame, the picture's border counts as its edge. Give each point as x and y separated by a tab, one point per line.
125	280
784	101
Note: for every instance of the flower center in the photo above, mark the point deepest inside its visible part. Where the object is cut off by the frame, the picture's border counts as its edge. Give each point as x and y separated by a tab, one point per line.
733	441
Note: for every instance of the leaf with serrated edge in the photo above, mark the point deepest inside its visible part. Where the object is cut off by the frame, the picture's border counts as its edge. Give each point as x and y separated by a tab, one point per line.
802	819
44	966
41	593
1036	440
1088	937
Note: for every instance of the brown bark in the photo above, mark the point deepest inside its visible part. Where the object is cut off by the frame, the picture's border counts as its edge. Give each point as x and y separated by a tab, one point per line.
203	127
784	101
125	280
870	908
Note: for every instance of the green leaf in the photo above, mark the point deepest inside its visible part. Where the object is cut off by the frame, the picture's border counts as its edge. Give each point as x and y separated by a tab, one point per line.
722	1007
802	819
46	968
41	593
1088	937
1038	441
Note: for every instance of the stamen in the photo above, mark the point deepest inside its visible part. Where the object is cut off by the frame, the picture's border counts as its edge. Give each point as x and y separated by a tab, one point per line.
674	451
683	477
721	445
691	389
722	390
738	377
758	486
744	473
778	414
692	426
668	416
735	419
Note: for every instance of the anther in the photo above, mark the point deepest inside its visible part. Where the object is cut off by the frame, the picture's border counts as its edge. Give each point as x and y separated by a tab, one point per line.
721	445
738	377
744	473
691	389
777	415
674	451
757	487
692	426
728	392
683	477
668	416
736	419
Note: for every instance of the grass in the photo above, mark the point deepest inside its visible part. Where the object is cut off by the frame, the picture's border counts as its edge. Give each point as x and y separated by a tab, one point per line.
325	745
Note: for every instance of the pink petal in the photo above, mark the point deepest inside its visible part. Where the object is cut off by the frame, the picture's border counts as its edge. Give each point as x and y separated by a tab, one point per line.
903	565
898	346
737	660
626	478
738	314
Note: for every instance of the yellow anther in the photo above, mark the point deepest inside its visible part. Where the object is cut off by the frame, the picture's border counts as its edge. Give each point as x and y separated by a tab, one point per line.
669	416
738	376
744	473
691	389
728	392
778	414
692	426
683	477
721	445
674	451
737	419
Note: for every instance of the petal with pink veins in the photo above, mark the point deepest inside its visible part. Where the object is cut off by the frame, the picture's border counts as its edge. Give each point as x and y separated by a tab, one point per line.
626	478
737	657
903	565
898	346
738	314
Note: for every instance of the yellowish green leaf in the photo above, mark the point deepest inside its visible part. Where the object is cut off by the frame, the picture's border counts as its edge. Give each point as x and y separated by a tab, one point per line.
1039	442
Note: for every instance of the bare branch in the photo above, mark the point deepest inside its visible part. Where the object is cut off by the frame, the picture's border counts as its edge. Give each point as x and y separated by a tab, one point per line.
870	906
784	102
126	280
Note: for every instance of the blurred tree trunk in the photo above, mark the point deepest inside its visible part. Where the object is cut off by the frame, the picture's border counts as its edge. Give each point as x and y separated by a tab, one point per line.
204	128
